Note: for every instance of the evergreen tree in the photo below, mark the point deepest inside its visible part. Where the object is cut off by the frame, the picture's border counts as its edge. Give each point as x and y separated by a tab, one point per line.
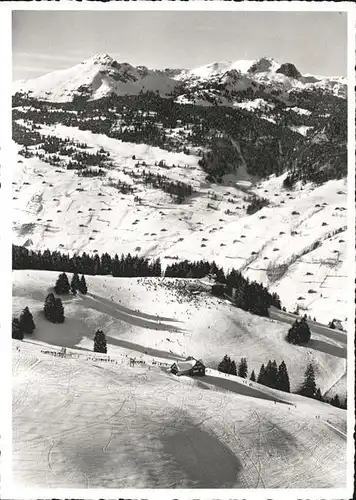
62	284
75	283
242	371
83	286
318	395
233	368
240	297
26	322
308	388
16	331
225	365
299	333
49	307
283	378
267	374
253	376
262	375
53	309
59	311
273	375
100	342
335	401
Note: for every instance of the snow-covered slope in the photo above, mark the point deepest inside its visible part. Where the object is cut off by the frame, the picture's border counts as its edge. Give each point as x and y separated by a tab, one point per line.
55	208
82	422
165	319
96	77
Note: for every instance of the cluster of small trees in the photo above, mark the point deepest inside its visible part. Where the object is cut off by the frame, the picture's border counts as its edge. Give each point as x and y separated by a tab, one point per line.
229	366
175	188
122	186
255	204
62	285
299	333
274	376
22	325
194	269
53	309
92	172
277	377
310	390
54	146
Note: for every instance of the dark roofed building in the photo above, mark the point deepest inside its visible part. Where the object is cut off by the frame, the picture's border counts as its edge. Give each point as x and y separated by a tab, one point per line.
190	366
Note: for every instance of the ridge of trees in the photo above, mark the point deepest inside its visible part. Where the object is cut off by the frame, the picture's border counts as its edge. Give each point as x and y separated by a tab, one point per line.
249	296
125	266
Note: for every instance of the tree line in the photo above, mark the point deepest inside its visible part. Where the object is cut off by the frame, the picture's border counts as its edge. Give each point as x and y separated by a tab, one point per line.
124	266
277	377
247	295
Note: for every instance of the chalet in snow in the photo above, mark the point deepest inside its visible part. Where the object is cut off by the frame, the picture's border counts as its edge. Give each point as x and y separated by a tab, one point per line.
190	367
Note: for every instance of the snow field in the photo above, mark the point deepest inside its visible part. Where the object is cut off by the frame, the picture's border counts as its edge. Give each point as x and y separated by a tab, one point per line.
90	424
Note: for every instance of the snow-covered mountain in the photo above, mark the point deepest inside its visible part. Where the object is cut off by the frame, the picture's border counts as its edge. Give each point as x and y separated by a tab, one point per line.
95	78
101	75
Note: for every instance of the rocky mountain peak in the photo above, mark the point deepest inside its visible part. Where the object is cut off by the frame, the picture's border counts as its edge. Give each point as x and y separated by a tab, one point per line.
100	59
288	69
262	65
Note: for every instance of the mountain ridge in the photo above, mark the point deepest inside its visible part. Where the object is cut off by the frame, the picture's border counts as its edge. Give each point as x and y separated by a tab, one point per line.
102	75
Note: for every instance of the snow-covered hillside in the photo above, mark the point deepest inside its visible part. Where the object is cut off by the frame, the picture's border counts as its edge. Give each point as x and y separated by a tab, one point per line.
102	75
83	422
165	319
55	208
96	77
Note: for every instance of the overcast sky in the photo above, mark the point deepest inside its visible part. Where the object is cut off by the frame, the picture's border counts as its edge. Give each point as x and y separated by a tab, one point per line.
44	41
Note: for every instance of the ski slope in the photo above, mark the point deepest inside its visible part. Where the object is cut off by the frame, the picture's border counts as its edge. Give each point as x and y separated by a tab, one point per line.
55	208
154	317
89	424
84	422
